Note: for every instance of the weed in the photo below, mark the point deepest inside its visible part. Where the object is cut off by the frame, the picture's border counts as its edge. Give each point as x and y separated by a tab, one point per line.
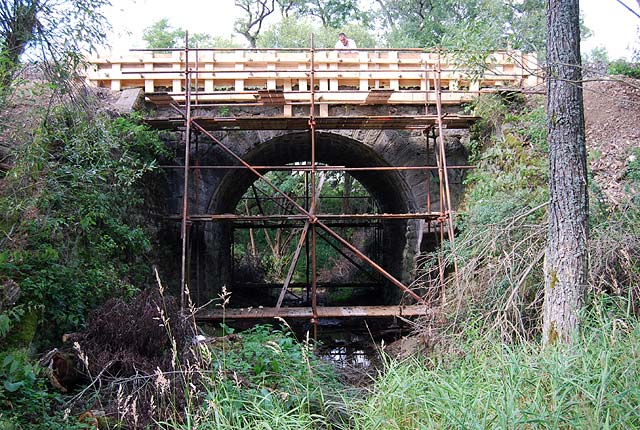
262	378
71	238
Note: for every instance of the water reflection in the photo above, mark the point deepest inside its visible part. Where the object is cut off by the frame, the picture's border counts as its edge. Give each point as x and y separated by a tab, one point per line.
344	356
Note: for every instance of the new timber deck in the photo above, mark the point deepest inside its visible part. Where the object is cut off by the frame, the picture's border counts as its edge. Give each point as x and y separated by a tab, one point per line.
283	77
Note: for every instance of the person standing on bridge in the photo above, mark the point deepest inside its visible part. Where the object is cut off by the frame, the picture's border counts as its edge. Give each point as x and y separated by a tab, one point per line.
345	43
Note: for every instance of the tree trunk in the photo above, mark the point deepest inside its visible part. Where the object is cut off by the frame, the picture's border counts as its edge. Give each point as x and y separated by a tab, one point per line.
566	254
18	29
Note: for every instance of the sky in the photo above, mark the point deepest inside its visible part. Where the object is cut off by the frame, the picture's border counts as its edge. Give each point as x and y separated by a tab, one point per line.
614	27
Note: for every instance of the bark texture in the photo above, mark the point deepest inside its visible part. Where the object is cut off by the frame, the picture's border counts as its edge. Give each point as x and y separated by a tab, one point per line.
18	25
566	254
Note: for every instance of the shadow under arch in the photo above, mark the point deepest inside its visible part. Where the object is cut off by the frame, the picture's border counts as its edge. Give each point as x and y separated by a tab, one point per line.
388	188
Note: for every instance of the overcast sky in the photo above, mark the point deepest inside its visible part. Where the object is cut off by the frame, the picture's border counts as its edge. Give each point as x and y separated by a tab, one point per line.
614	27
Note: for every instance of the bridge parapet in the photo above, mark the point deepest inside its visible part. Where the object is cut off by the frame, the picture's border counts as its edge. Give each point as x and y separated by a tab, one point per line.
283	77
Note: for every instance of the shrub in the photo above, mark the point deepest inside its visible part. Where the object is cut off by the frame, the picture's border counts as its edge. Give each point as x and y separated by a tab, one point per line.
625	68
71	237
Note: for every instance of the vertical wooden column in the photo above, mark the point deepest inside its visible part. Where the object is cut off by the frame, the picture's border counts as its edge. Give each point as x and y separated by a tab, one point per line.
302	82
287	109
116	68
394	84
149	86
334	64
321	64
271	58
363	57
530	65
178	67
208	58
239	65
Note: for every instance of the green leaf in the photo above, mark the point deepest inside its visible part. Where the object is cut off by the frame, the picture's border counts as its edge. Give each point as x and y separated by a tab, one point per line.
13	386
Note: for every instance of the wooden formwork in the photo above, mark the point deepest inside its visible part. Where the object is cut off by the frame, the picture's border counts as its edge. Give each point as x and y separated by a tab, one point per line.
275	77
189	78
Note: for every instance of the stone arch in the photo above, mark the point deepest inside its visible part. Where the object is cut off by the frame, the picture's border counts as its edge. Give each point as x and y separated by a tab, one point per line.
390	189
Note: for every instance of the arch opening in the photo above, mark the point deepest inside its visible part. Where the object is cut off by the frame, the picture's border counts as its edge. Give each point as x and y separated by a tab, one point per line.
264	252
229	244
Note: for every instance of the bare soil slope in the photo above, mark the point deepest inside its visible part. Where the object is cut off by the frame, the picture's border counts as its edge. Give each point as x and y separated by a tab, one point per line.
612	119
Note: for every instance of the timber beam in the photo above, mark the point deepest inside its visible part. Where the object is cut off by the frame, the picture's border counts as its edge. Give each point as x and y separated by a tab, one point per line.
307	312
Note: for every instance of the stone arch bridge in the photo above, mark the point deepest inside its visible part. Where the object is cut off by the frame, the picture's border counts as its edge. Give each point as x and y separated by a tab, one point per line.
389	120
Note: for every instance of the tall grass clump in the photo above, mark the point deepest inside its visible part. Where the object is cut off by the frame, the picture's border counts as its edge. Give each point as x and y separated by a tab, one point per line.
502	225
490	385
261	378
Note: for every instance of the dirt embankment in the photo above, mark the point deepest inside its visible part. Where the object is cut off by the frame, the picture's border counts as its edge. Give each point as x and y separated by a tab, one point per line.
612	112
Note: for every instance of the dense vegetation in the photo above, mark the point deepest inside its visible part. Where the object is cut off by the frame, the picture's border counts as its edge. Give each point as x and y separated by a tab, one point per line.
73	235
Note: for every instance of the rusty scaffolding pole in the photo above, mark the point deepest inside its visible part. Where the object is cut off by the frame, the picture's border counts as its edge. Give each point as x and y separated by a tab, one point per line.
313	220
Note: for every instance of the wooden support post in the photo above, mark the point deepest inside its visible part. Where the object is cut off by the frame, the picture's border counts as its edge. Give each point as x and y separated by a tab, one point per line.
115	76
454	84
149	86
530	65
239	83
364	76
178	67
271	66
323	85
302	82
334	66
394	84
287	109
208	58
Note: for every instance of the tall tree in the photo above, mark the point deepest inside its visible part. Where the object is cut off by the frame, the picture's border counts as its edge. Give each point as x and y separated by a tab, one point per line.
161	34
294	31
566	254
463	24
55	32
254	14
330	13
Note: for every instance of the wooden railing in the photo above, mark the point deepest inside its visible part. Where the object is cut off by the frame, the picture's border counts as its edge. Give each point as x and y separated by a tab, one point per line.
283	77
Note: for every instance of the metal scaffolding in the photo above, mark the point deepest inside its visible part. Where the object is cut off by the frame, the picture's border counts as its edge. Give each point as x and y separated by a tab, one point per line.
315	224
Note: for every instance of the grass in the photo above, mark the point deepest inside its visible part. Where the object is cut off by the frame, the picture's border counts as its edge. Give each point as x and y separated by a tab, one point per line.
489	385
261	379
468	382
